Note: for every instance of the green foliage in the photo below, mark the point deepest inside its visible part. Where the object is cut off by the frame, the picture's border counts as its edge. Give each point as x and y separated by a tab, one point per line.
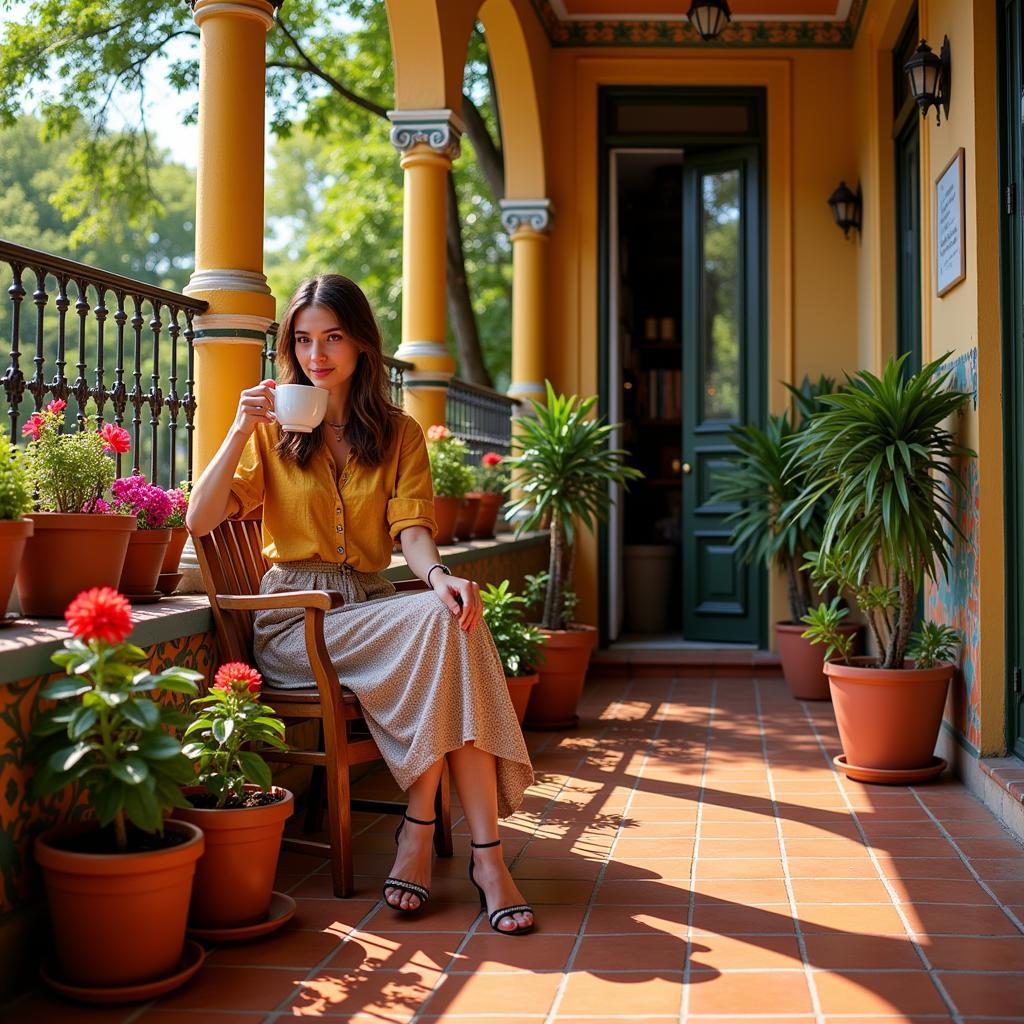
882	450
448	470
824	628
491	477
933	643
15	491
564	467
535	591
109	736
765	486
519	645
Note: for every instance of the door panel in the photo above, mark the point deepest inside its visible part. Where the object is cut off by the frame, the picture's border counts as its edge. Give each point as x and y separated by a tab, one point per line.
722	383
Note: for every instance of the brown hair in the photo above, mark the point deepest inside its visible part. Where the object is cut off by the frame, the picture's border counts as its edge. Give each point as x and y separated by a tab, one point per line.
372	416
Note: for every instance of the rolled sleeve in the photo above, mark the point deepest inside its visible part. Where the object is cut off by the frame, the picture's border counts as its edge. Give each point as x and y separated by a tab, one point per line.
247	485
412	502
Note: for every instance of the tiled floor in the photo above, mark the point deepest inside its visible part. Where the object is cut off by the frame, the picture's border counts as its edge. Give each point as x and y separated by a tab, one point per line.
691	855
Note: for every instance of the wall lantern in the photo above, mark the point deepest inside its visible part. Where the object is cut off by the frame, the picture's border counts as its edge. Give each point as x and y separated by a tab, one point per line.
709	17
930	78
846	208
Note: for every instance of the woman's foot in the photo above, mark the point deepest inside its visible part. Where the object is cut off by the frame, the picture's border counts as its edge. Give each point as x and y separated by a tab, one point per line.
491	874
413	863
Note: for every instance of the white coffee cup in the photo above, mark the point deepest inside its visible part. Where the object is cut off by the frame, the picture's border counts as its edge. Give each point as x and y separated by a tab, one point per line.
300	407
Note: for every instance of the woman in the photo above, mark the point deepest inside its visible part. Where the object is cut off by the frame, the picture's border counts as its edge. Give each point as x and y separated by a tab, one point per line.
424	667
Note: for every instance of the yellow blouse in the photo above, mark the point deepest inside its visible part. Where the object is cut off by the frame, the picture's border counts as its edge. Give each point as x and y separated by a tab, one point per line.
315	512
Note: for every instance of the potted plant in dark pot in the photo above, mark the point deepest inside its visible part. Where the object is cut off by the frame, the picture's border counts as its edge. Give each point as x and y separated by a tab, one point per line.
883	450
118	885
147	546
70	471
451	477
562	470
490	484
763	486
15	529
169	577
240	811
520	646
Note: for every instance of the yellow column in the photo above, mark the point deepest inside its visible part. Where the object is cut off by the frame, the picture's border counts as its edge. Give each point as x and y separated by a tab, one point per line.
528	222
230	336
428	141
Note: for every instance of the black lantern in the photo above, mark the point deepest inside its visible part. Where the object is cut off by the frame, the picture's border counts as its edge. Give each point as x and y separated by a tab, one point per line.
846	208
930	78
709	17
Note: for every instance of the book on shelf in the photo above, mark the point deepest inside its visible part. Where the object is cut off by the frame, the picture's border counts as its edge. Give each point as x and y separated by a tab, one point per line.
659	394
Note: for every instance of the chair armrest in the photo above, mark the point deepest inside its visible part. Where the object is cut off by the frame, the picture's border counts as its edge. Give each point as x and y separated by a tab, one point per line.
325	600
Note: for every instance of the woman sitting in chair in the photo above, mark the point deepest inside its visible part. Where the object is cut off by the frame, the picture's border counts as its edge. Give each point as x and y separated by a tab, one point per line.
423	666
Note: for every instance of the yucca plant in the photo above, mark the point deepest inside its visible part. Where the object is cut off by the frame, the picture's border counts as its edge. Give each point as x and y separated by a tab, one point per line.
563	467
760	482
882	450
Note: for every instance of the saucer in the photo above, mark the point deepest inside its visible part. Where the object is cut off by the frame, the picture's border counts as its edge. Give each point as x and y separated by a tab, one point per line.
191	960
891	776
168	582
151	598
282	908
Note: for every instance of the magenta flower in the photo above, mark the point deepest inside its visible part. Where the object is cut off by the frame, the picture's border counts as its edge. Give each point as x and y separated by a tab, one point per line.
149	503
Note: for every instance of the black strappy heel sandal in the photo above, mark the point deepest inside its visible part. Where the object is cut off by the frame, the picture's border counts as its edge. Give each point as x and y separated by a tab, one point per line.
493	919
421	893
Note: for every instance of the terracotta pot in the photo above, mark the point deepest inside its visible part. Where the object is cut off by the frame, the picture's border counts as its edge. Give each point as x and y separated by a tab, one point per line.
466	518
803	663
562	672
172	556
888	718
235	876
487	515
519	689
67	553
13	535
118	918
445	512
143	561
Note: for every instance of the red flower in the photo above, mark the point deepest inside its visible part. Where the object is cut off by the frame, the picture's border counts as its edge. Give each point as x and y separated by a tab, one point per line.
438	432
237	677
115	439
491	459
57	405
100	614
33	426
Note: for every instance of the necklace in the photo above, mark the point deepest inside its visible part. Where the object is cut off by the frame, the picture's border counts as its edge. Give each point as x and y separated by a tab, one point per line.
338	428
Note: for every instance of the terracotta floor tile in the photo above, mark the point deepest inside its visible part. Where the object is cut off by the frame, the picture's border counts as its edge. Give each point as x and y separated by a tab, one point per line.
391	995
741	920
434	917
838	951
975	849
486	993
914	847
878	992
432	951
721	952
826	848
870	918
338	916
1000	868
44	1007
953	919
731	993
557	919
893	829
732	830
958	953
653	868
849	890
490	952
831	867
641	952
629	847
922	867
291	947
940	890
984	994
570	868
235	988
540	891
731	848
751	867
1011	892
158	1016
653	920
931	1018
631	893
754	891
644	993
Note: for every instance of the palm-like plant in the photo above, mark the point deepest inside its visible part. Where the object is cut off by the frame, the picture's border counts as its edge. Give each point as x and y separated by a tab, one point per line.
761	483
881	450
563	467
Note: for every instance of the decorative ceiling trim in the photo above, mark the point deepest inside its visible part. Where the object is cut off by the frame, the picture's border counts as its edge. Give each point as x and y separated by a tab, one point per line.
749	34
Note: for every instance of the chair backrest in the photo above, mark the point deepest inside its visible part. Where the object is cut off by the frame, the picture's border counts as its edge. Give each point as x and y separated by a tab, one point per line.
231	561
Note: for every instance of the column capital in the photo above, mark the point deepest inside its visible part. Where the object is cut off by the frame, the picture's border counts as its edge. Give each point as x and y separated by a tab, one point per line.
261	10
534	214
441	130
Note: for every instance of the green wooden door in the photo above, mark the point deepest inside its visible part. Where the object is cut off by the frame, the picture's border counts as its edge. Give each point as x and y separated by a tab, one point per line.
722	383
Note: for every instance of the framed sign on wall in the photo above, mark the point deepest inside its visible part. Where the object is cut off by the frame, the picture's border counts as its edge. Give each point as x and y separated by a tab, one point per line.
950	254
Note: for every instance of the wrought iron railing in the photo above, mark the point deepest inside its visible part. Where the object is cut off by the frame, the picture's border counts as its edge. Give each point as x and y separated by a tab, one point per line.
481	417
131	348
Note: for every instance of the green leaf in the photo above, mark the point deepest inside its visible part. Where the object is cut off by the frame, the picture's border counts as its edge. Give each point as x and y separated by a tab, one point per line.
255	769
66	758
132	770
142	712
62	689
84	719
159	746
222	729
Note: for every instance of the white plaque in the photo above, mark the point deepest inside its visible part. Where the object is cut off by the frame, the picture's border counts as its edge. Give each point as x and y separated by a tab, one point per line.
950	259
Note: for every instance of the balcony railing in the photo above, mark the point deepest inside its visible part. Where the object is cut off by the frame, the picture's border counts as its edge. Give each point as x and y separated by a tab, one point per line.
130	345
481	417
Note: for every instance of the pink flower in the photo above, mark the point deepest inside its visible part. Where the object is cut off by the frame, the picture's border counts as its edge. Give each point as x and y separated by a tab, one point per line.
115	438
147	501
35	423
100	614
58	405
99	505
438	432
491	459
237	677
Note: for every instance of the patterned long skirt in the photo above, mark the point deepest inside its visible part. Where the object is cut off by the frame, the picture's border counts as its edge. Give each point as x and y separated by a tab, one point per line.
425	686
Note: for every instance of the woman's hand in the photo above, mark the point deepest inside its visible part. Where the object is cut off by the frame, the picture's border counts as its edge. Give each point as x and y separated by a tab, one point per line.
461	596
255	405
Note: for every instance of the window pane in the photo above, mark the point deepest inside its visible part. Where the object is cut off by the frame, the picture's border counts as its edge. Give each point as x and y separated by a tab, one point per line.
682	119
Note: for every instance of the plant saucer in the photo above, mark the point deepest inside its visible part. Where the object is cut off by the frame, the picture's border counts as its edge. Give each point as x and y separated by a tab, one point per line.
890	776
282	907
168	582
192	959
150	598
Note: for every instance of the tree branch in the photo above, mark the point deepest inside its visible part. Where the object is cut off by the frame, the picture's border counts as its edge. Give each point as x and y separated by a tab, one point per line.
487	153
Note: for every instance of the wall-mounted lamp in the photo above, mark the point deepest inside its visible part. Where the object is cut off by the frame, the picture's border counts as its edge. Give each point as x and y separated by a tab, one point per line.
846	207
930	78
709	17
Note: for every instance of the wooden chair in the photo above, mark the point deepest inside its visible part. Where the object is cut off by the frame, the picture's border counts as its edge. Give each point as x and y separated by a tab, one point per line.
232	564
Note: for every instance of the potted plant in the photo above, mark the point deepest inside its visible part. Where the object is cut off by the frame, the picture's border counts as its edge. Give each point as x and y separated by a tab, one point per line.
15	529
882	449
562	470
175	522
491	482
151	505
520	646
235	803
118	885
763	486
70	471
451	476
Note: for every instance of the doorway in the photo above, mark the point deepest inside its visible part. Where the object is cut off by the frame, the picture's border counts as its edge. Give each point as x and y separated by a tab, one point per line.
683	358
